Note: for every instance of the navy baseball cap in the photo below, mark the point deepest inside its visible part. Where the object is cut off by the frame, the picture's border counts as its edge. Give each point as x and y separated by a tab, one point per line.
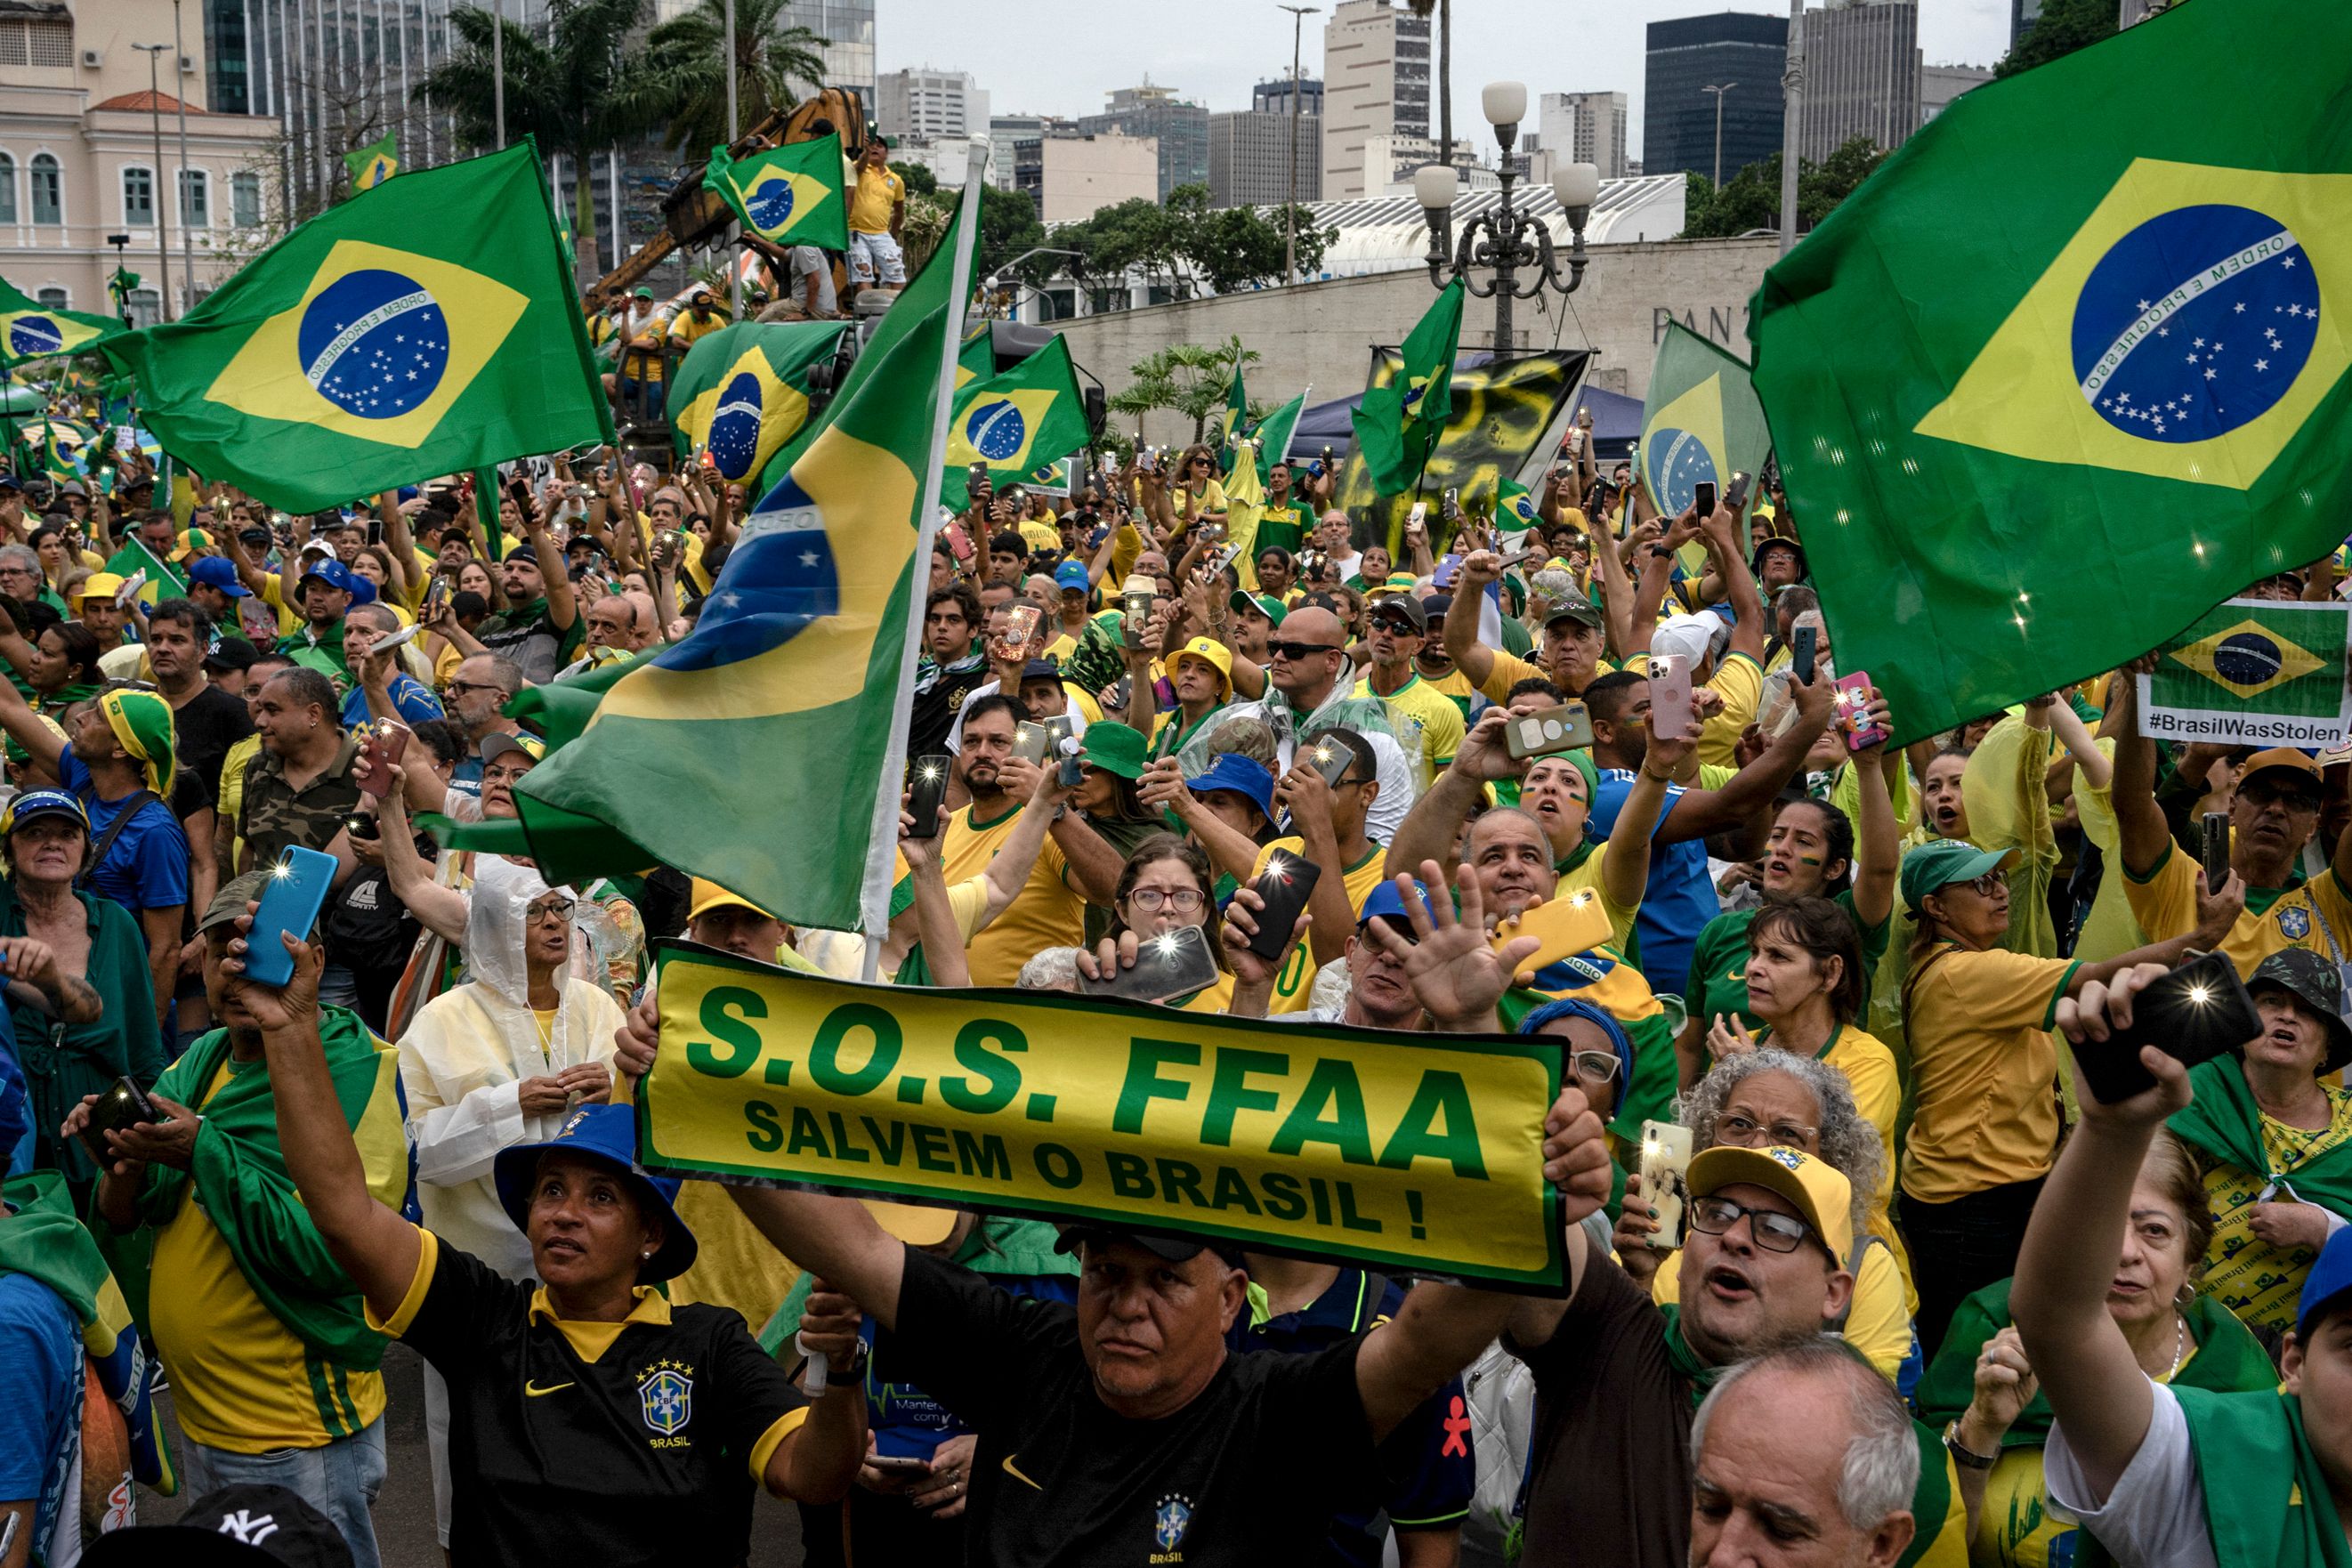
335	575
37	802
1387	903
1159	1244
219	571
606	1134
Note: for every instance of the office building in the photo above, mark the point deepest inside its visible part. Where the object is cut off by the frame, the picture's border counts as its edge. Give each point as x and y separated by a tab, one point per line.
1273	97
1072	175
1938	85
1861	74
1006	131
1178	128
1249	158
1583	128
1737	50
1376	82
1391	162
925	105
2022	13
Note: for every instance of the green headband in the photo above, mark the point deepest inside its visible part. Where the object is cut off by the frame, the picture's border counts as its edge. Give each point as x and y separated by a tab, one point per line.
142	723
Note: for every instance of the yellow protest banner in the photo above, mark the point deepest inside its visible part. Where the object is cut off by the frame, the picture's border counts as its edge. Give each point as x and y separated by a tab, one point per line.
1405	1152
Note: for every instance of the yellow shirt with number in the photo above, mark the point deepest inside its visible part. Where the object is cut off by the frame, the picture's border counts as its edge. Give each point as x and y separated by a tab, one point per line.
1294	983
2164	902
1984	1070
1048	913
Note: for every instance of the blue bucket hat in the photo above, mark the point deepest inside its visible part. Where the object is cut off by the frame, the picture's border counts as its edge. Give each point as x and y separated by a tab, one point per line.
606	1134
1243	775
1572	1007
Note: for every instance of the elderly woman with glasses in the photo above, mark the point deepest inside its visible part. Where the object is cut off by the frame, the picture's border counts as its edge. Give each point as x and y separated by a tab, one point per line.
499	1061
1984	1068
1766	1098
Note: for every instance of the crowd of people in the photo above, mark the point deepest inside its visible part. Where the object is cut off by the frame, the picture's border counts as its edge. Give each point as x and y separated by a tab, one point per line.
1916	1297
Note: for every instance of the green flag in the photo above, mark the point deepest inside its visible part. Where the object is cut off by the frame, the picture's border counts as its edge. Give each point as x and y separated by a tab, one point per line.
375	163
1514	508
976	361
29	330
1398	424
165	581
1700	424
486	509
789	196
743	391
1274	436
2253	672
341	362
563	234
1014	422
1236	414
2051	385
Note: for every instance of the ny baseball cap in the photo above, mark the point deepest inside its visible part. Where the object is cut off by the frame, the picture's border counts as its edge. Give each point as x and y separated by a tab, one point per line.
241	1526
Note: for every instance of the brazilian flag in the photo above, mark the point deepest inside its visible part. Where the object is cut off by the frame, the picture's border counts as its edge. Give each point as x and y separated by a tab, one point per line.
789	195
1014	422
419	329
1399	422
2252	670
1700	424
29	330
375	163
1514	508
976	361
793	674
2056	380
743	391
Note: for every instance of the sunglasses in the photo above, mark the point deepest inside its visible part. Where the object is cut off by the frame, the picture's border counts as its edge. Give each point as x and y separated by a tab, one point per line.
1296	651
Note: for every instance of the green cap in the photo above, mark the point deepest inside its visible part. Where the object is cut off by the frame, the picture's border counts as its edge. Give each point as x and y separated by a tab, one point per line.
1266	605
1574	606
1942	861
1113	747
230	901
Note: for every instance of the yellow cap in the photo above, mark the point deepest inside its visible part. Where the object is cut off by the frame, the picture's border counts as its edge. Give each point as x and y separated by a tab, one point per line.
1819	1189
101	585
913	1223
1209	652
709	895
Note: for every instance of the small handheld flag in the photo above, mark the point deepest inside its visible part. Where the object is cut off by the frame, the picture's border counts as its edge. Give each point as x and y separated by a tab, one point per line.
789	195
1014	422
375	163
743	391
29	330
1514	508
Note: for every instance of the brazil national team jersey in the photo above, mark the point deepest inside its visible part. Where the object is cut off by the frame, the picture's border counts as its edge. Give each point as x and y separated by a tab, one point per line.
613	1444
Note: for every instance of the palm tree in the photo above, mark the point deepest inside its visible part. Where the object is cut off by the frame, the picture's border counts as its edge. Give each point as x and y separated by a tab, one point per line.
680	76
565	89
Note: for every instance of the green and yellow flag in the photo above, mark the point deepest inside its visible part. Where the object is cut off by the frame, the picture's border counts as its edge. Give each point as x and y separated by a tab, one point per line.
2051	384
29	330
1014	422
1274	436
346	360
1398	424
1514	508
1700	423
792	675
789	196
2253	672
375	163
742	392
976	361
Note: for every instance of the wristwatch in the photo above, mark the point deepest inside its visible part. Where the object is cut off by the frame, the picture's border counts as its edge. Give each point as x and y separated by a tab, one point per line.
1966	1458
853	1370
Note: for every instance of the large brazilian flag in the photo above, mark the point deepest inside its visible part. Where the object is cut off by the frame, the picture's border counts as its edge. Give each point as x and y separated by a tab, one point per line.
741	391
1700	423
2069	370
787	196
790	684
29	330
1015	422
424	327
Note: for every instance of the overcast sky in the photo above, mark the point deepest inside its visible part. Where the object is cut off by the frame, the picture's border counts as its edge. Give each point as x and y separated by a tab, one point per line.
1062	56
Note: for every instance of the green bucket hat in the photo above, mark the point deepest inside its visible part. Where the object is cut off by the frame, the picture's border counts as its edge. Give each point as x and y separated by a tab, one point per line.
1266	605
1113	747
1944	861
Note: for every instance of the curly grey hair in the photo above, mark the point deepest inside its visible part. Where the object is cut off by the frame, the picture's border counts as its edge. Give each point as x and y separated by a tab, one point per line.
1849	1142
1050	969
1881	1470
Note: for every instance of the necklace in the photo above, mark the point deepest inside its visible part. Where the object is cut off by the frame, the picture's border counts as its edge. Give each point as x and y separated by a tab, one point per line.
2179	1345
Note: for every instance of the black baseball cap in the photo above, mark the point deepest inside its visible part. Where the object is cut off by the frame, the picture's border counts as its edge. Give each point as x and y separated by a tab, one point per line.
242	1526
1159	1244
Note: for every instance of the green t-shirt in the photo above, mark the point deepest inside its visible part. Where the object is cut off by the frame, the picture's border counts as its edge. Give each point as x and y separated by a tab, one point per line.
1719	961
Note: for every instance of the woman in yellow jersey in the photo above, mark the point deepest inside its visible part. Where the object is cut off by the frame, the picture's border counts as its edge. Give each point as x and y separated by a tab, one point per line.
1193	493
1981	1390
1984	1069
1165	884
1770	1097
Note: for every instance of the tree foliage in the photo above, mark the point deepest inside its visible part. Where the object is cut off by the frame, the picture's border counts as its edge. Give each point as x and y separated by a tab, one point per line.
679	80
1186	379
1751	198
2064	27
1186	246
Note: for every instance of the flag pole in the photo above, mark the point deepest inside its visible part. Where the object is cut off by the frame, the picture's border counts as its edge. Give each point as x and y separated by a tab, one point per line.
882	843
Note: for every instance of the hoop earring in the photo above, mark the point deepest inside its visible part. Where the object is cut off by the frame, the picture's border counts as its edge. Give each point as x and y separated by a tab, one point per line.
2185	1294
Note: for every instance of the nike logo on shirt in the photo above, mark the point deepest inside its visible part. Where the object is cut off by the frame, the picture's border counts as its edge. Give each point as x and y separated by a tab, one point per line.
1017	1476
534	1391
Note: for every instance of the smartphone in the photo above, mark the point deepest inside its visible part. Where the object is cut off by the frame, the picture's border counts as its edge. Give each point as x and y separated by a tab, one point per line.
1801	655
1703	499
1665	1166
1451	507
2198	1012
118	1109
2217	849
1062	749
1146	460
1029	742
1851	695
362	825
977	477
1670	694
1285	885
1331	760
1735	494
1174	964
927	790
437	594
1135	598
899	1464
1449	567
1020	626
406	634
379	754
296	891
1564	927
131	586
1549	729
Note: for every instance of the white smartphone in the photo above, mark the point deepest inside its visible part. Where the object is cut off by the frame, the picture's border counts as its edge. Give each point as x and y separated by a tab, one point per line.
1665	1164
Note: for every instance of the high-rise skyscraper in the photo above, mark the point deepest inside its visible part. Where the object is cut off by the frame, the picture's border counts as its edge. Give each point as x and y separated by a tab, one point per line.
1584	128
2022	13
1376	80
1181	128
1273	97
1737	50
1861	74
1249	158
926	104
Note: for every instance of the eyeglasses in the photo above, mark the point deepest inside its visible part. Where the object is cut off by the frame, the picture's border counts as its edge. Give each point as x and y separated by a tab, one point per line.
1595	1067
555	912
1773	1231
1734	1128
1984	887
459	688
1183	900
1297	651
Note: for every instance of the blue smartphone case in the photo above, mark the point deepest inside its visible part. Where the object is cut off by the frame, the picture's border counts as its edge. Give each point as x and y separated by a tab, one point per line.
290	902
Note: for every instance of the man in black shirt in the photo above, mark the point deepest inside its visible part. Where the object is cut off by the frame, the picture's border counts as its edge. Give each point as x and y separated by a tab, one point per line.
205	720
